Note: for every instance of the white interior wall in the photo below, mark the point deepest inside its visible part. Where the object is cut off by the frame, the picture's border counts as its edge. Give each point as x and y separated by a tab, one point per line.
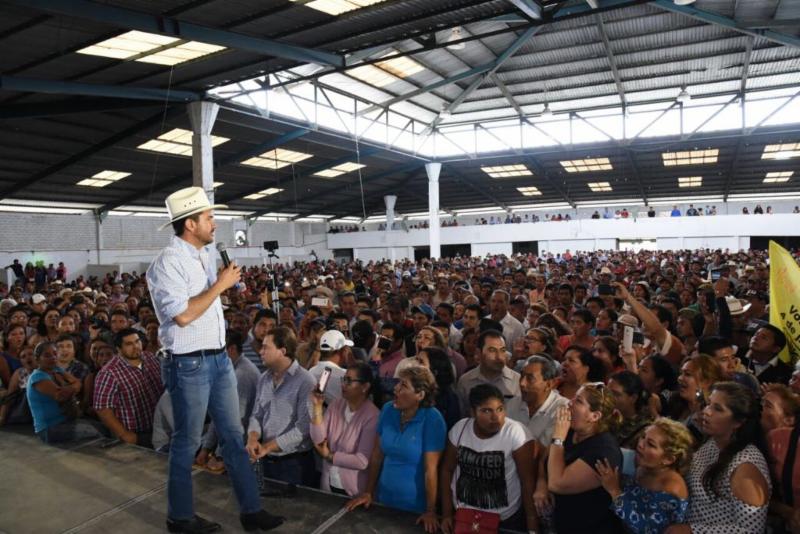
722	231
130	243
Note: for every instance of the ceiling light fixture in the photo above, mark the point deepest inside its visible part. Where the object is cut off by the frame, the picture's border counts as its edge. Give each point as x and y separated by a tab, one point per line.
684	97
683	2
546	112
455	35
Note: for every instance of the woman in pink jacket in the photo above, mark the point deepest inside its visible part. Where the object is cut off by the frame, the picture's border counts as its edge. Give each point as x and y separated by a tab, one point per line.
345	435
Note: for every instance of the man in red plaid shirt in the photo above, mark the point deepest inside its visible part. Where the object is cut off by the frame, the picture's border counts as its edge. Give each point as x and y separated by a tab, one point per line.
127	390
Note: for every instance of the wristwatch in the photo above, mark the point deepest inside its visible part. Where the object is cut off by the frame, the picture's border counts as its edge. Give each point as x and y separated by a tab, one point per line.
557	442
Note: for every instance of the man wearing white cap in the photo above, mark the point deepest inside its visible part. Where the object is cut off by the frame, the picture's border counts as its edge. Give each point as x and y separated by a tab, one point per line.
331	350
197	372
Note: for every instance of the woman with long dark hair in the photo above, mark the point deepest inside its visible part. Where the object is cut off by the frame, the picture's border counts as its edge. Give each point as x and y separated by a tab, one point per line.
580	366
345	435
729	486
660	380
582	437
436	359
632	401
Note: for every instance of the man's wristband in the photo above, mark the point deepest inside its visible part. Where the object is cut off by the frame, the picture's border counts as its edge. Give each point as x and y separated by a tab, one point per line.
558	442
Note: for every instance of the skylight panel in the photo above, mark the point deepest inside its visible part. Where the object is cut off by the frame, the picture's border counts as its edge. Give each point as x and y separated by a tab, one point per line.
276	159
385	72
778	177
690	157
339	170
587	165
600	187
178	142
150	48
507	171
690	181
103	178
783	151
337	7
264	193
529	191
181	53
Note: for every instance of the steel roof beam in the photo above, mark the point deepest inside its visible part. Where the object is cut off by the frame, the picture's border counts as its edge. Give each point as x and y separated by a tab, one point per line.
748	54
230	160
539	169
529	8
135	20
727	22
478	188
612	61
518	43
69	106
33	85
337	189
400	187
108	142
344	159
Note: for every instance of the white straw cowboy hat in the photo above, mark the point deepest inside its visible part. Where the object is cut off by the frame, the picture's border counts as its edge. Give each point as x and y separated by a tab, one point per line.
186	202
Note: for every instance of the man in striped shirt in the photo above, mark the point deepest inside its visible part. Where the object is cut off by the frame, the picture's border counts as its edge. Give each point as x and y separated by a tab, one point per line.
127	390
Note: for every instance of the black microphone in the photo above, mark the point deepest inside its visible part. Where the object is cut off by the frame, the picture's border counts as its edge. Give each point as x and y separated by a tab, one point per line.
223	253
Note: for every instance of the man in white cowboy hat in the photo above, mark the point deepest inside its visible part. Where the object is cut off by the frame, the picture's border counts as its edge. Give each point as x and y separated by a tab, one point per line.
185	289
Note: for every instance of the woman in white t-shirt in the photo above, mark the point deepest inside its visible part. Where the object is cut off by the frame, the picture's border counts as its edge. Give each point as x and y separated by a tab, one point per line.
488	473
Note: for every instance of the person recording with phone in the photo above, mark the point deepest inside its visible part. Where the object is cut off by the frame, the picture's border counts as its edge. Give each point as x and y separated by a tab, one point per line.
387	356
655	326
344	434
331	362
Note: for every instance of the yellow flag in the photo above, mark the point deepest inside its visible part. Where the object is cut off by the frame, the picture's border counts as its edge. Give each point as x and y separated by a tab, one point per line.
784	299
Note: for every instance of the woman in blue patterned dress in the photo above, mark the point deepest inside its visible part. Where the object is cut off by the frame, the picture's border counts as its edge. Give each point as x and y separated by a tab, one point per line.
657	496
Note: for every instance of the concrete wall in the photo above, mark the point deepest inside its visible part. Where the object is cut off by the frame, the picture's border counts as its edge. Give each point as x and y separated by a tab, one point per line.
722	231
129	243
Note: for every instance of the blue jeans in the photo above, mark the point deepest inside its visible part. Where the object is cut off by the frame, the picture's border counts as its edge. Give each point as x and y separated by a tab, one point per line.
197	385
297	469
77	430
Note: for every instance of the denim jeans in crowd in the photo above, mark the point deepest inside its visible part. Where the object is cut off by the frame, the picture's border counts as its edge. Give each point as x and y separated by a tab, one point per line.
68	431
196	385
297	469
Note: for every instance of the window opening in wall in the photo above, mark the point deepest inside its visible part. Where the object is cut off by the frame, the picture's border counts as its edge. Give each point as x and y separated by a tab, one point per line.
635	245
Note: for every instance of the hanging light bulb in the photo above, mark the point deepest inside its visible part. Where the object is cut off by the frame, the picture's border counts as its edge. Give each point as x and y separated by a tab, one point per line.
445	112
546	112
684	96
455	35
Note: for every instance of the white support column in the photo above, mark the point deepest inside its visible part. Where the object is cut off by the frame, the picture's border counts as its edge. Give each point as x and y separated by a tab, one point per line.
390	201
434	230
202	116
98	229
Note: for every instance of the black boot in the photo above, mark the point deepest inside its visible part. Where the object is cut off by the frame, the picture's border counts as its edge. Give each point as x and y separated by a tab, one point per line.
261	520
195	525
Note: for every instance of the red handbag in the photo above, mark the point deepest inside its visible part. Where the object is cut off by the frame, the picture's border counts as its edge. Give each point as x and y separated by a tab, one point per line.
469	521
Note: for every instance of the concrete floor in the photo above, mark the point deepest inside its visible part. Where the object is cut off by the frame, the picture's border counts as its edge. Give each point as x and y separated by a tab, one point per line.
122	489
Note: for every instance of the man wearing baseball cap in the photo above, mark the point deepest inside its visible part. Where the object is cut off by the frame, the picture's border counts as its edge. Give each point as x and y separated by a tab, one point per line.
185	289
332	356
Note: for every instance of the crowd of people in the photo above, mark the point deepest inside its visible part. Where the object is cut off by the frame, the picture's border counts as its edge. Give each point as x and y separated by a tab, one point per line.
600	392
607	213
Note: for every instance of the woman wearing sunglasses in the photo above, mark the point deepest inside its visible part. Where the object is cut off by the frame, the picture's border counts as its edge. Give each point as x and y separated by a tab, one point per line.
345	435
581	438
